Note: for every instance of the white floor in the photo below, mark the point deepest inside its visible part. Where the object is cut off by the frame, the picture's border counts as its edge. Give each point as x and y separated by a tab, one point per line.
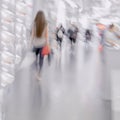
79	90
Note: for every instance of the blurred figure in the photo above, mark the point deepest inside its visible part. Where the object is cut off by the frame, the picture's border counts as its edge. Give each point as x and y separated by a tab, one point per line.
101	31
39	38
60	34
72	34
102	41
88	35
87	47
112	36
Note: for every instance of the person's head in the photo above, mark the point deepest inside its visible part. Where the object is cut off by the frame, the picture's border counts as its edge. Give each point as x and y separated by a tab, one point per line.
40	23
111	27
60	25
88	31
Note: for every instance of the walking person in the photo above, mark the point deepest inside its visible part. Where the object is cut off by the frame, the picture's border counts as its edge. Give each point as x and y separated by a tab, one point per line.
72	34
88	35
59	35
39	38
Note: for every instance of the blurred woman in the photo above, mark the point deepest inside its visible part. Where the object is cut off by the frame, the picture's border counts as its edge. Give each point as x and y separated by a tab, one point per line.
39	37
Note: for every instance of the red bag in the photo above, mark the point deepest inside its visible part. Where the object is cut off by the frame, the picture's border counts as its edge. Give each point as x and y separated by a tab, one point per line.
46	50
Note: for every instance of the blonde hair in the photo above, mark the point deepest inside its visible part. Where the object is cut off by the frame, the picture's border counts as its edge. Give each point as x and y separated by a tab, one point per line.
40	23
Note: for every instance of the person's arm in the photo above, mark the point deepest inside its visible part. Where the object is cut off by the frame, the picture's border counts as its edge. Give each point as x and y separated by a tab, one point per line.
46	34
117	33
111	42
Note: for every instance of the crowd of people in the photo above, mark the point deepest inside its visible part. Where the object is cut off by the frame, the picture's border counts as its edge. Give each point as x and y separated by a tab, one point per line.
40	37
71	33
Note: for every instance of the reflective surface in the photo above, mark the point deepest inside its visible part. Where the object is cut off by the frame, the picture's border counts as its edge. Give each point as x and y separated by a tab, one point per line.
82	82
78	90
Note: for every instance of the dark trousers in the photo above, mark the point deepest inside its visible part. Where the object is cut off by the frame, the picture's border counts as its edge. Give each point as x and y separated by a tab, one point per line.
38	52
59	40
73	40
